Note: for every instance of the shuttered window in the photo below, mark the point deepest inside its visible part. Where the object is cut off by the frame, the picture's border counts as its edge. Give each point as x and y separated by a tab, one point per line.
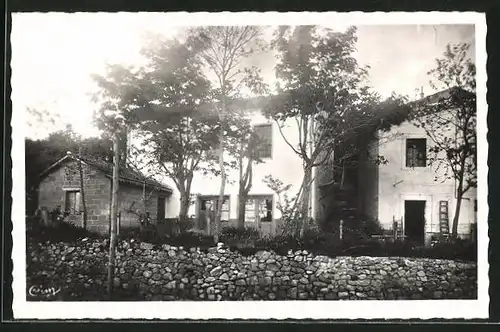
72	204
264	140
416	155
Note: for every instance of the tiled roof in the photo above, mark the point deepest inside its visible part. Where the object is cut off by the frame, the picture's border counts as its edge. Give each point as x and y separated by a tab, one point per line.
398	115
126	174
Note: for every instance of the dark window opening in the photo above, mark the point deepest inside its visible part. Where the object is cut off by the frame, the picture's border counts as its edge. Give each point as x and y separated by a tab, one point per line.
161	209
264	140
72	202
416	155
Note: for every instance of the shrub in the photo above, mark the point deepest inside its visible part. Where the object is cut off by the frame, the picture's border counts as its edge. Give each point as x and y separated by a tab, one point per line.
190	239
240	237
61	232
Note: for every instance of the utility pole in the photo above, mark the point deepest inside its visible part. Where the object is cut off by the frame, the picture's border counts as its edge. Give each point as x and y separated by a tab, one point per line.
82	187
114	213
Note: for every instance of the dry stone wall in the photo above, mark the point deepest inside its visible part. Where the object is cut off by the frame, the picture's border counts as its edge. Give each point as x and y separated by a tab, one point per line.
145	272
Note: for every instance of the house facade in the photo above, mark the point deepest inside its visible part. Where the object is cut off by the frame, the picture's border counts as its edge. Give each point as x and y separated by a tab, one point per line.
261	210
59	187
409	190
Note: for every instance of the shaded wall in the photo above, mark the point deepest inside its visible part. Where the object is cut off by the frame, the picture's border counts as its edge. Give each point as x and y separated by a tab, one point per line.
52	189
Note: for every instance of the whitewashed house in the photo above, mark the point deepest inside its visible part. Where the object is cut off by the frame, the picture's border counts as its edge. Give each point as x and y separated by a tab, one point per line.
408	189
402	191
261	210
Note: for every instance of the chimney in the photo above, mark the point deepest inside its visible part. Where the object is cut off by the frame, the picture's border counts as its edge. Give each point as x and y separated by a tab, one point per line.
422	91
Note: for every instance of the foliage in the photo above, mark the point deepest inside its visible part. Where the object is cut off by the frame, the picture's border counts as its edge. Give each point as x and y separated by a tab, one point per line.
325	94
292	219
362	228
238	236
58	232
168	103
242	146
450	122
43	153
222	48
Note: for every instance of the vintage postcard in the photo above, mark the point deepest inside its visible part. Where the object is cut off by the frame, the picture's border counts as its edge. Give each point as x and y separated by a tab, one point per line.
249	165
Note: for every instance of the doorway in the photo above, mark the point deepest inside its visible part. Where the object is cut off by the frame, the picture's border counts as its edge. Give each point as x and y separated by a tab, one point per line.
161	208
415	221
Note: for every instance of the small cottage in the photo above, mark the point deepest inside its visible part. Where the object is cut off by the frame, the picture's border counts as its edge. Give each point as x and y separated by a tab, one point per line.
59	188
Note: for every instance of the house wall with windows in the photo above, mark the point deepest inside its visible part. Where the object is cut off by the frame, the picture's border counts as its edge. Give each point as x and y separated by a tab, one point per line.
408	177
61	188
262	207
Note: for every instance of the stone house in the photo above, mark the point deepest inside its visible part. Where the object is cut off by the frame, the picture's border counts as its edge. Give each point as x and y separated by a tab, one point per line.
59	187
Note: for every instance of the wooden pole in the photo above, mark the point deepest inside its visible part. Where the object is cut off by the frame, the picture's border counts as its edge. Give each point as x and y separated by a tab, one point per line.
82	187
114	213
341	229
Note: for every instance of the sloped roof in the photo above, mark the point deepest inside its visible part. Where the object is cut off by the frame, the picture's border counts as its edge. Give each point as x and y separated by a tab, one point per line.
400	114
126	175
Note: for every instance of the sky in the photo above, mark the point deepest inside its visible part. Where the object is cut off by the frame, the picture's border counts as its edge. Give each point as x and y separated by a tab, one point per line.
55	54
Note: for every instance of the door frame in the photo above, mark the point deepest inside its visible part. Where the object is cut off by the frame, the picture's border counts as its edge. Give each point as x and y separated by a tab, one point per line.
427	212
273	208
158	199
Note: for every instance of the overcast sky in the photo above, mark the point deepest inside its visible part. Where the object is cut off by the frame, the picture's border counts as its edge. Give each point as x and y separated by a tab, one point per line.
54	54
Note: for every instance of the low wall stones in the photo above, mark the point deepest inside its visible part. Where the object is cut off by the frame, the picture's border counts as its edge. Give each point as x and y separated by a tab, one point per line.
144	272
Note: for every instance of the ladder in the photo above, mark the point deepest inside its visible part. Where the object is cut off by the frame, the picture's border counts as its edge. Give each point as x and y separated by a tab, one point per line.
443	219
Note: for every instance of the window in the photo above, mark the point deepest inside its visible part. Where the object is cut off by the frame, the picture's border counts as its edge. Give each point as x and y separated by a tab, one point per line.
210	204
264	135
416	155
72	201
259	208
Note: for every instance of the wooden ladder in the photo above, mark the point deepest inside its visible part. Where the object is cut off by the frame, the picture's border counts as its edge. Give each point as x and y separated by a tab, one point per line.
444	225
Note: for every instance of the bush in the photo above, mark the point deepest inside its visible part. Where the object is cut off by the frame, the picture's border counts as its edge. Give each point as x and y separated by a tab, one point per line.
62	232
240	237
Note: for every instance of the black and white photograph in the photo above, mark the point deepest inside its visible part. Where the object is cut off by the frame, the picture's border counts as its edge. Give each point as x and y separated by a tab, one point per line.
249	165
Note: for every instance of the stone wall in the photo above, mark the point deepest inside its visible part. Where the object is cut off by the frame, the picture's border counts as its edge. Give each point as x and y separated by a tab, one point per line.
130	198
51	193
173	273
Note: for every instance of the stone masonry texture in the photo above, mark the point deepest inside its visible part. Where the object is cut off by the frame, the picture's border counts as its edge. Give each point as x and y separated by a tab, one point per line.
51	193
147	272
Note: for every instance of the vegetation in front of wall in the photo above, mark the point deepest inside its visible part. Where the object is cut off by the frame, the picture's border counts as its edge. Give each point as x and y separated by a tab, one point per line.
248	241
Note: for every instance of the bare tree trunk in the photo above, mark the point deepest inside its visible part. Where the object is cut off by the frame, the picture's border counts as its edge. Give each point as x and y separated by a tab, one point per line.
114	214
184	200
456	216
460	194
245	186
219	204
305	200
342	178
82	189
144	199
242	200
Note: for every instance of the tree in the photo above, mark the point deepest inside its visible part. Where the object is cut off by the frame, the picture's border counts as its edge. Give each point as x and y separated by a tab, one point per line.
450	122
114	116
44	152
242	145
324	93
168	104
222	49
